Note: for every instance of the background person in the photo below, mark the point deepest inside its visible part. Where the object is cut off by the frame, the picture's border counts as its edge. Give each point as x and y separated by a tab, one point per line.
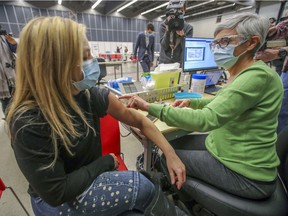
145	45
125	53
118	49
278	56
171	39
238	156
8	46
54	127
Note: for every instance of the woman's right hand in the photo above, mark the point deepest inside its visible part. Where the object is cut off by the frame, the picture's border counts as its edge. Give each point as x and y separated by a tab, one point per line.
116	161
176	168
181	103
134	101
11	40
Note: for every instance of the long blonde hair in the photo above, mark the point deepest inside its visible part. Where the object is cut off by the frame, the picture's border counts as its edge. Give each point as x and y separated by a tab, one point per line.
49	53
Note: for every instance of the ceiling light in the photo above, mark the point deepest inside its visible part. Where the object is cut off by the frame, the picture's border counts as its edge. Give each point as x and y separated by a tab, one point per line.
215	9
148	11
127	5
198	5
59	2
245	8
96	3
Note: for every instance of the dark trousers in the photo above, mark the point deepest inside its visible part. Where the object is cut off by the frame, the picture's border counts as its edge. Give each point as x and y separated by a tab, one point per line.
202	165
145	63
5	101
283	115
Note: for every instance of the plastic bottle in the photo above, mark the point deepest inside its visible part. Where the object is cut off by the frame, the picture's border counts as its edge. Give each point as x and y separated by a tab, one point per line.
185	83
198	83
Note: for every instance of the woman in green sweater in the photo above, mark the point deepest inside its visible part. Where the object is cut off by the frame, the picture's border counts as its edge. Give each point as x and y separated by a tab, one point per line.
238	155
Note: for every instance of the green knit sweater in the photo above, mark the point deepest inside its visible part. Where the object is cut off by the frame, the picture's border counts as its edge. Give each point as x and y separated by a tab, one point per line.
242	118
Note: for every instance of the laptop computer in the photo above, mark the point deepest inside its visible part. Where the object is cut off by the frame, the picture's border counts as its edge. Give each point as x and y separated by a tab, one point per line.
211	81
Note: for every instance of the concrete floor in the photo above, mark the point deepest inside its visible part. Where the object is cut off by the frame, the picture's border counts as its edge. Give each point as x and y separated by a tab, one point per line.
12	176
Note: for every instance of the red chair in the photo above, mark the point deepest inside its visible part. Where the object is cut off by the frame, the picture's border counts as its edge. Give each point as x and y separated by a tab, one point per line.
110	138
113	56
3	187
101	55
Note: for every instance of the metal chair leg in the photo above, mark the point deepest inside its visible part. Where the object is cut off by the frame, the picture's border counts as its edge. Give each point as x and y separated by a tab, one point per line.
11	189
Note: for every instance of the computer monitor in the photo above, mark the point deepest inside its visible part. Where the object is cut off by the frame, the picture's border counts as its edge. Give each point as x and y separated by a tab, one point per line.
197	55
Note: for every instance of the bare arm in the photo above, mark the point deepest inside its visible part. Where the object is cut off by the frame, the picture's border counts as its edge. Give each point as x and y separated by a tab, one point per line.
133	118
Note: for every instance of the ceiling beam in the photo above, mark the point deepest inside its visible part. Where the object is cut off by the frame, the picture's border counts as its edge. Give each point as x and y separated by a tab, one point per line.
146	6
243	2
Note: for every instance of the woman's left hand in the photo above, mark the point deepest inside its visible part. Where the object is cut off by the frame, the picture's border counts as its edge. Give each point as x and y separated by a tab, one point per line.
135	102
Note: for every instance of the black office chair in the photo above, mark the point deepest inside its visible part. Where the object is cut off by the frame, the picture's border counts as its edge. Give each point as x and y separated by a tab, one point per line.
221	203
103	71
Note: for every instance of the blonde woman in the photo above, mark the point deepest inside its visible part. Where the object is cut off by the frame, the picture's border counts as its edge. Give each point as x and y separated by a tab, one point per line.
54	124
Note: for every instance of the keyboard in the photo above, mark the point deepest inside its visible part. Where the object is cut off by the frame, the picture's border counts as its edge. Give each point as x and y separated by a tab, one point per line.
212	89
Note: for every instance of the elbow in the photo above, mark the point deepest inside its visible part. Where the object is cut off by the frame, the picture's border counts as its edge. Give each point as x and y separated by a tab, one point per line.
54	198
208	126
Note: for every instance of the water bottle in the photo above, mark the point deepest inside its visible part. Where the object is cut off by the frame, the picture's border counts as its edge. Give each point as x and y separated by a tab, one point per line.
198	83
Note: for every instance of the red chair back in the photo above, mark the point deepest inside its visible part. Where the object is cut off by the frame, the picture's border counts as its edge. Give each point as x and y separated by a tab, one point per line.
2	187
110	138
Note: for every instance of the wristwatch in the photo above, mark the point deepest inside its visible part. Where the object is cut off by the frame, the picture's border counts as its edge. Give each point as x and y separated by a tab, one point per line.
282	53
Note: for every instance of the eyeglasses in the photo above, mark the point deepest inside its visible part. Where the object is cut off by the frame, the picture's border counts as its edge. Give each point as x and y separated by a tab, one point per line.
224	41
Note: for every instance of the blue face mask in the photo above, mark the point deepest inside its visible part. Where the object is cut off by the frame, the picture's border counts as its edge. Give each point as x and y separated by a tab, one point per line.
91	72
224	57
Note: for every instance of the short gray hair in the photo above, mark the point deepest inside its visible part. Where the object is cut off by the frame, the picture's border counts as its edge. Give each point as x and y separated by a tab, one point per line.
247	24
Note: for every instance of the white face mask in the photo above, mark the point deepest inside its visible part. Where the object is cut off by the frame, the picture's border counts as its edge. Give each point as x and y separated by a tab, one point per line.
91	72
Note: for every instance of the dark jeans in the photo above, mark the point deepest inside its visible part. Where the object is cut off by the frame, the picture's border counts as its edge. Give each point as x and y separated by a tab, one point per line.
283	115
145	63
5	102
111	193
202	165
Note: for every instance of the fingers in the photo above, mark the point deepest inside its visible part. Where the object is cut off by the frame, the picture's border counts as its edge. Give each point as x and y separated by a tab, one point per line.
180	32
135	102
178	178
131	100
182	104
125	97
132	103
177	173
116	161
172	176
176	103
